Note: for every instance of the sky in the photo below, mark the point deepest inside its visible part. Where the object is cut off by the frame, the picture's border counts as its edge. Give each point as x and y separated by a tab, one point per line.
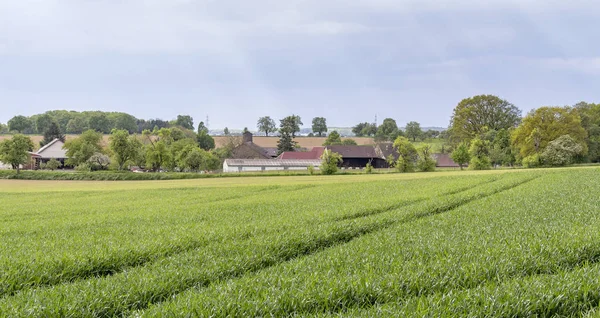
347	61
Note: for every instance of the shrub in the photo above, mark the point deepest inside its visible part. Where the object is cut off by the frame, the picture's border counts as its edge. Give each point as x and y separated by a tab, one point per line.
330	161
425	163
532	161
369	168
311	169
480	163
561	151
480	155
53	164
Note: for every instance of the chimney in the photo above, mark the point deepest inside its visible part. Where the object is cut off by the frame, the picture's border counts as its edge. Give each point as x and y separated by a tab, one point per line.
247	137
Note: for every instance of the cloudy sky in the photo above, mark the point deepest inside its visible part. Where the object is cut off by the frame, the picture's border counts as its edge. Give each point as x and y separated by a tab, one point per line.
236	60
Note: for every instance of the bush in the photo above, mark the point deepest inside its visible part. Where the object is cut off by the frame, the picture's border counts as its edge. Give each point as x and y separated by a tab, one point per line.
403	165
330	161
480	163
311	169
532	161
561	151
53	164
426	163
369	168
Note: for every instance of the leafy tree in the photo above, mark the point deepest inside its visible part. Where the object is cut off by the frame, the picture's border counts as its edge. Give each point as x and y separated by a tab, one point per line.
413	130
123	121
480	152
388	130
43	122
226	131
266	124
286	142
53	164
425	163
14	151
291	125
82	148
21	124
3	128
562	151
205	141
349	142
76	125
461	155
124	147
391	161
532	161
202	127
330	161
364	129
157	155
100	123
334	138
185	121
407	154
319	125
474	115
546	124
590	121
51	133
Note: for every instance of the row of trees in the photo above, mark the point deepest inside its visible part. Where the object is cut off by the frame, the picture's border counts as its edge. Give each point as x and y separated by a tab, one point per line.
73	122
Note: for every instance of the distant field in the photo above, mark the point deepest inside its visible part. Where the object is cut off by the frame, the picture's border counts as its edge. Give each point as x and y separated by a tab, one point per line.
508	243
305	142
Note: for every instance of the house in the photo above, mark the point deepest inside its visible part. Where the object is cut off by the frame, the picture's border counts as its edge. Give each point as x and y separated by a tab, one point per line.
249	150
53	150
247	165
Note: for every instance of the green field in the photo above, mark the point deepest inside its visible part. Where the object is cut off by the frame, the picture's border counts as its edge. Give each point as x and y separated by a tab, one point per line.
508	243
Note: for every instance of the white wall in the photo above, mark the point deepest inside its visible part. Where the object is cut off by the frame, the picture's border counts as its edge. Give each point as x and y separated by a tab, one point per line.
55	151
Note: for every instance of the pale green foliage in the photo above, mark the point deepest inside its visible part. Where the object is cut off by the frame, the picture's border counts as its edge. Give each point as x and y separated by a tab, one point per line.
125	148
52	164
329	162
562	151
333	139
461	155
14	151
425	163
480	155
408	155
531	161
369	168
98	161
311	169
82	148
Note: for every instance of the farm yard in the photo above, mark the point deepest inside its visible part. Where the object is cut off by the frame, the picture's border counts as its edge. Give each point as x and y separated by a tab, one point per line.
506	243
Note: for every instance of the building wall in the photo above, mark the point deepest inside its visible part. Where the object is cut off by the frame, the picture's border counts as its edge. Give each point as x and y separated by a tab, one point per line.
54	151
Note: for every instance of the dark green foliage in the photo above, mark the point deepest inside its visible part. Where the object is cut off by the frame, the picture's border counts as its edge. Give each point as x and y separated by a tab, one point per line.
185	121
407	155
205	141
14	151
21	124
413	130
51	133
319	125
333	139
266	124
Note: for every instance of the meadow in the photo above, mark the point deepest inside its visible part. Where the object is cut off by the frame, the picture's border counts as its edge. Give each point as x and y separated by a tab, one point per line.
495	243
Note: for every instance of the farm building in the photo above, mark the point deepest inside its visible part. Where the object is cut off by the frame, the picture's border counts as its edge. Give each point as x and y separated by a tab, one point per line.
443	160
244	165
53	150
249	150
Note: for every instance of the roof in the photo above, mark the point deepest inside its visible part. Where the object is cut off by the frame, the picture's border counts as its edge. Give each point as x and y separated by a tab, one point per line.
386	149
315	153
53	149
270	151
48	145
271	162
444	160
355	151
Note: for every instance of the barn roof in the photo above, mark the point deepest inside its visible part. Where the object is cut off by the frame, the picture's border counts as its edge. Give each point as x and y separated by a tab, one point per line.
271	162
444	160
355	151
315	153
48	145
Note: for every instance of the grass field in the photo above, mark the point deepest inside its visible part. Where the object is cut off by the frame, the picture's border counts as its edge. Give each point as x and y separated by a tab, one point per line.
508	243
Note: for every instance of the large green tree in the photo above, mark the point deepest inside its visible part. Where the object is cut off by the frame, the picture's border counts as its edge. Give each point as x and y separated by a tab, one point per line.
407	154
480	154
388	130
334	138
545	124
100	123
185	121
590	120
266	124
413	130
77	125
123	121
21	124
82	148
43	122
291	124
125	148
205	141
319	125
475	115
14	151
461	155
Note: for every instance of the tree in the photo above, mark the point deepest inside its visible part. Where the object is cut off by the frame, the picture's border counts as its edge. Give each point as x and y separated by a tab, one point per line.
425	163
14	151
100	123
202	127
98	161
186	121
474	115
291	125
76	125
329	162
125	148
226	131
266	124
53	164
349	142
285	143
546	124
333	139
81	149
53	132
479	152
3	128
413	130
358	129
21	124
388	130
43	122
205	141
561	151
123	121
590	121
319	125
461	155
407	154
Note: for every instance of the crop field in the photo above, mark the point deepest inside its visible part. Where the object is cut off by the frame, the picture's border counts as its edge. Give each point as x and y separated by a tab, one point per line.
497	243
